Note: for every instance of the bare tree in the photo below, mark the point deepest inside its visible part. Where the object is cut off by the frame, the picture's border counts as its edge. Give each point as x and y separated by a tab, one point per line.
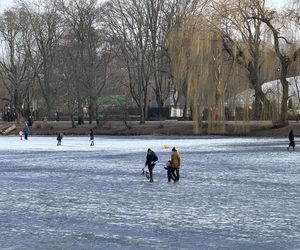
15	68
90	51
68	67
162	16
48	29
243	39
127	24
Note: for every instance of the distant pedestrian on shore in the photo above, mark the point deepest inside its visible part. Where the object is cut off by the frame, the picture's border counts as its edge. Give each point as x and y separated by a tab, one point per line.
30	121
59	138
56	116
151	160
92	137
292	140
175	164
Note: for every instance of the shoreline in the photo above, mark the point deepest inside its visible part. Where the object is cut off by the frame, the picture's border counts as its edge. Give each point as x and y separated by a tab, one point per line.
159	128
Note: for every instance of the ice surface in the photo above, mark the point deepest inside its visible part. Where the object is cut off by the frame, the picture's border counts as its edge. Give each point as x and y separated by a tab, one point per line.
234	193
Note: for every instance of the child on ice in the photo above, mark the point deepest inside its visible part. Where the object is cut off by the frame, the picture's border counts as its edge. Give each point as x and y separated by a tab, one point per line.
21	135
170	172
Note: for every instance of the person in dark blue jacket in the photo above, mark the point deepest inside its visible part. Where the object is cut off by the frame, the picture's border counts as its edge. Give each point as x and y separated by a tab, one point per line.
26	130
151	160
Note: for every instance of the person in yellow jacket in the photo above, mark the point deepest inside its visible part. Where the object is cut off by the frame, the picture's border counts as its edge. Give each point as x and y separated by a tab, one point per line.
175	163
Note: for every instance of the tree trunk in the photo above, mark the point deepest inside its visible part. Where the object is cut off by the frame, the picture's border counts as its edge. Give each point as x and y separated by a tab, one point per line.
159	101
220	112
260	101
257	103
91	109
146	107
97	115
73	120
17	106
285	96
49	110
185	108
142	115
80	111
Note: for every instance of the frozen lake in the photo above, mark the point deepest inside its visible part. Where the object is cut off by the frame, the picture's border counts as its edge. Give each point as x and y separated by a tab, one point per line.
234	193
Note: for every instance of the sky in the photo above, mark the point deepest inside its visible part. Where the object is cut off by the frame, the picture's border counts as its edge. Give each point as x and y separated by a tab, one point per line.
274	3
5	4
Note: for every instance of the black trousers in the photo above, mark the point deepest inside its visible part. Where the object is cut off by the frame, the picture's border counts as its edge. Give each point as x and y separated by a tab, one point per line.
292	144
150	168
26	136
171	174
176	174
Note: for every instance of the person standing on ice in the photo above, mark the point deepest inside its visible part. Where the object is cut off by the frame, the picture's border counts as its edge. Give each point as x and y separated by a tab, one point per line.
59	138
175	163
151	160
170	172
21	135
26	130
92	137
292	140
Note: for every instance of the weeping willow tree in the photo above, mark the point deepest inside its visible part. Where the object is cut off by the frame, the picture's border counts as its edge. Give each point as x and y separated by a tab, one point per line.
284	29
201	67
245	41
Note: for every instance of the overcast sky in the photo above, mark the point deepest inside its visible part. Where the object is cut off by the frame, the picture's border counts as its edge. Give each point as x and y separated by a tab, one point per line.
278	3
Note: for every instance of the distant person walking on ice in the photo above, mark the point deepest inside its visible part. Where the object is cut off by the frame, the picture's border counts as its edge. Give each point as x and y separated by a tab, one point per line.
175	163
92	137
151	160
292	140
59	138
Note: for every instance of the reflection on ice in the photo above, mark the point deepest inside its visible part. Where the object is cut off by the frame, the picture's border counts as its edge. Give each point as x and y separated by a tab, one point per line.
235	193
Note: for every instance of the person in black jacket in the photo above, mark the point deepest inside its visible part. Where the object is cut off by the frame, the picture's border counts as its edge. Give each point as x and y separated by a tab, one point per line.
92	137
59	138
151	159
292	140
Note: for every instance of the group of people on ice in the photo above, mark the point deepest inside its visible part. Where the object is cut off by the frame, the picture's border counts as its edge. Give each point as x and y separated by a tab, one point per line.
172	165
28	124
26	129
61	135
